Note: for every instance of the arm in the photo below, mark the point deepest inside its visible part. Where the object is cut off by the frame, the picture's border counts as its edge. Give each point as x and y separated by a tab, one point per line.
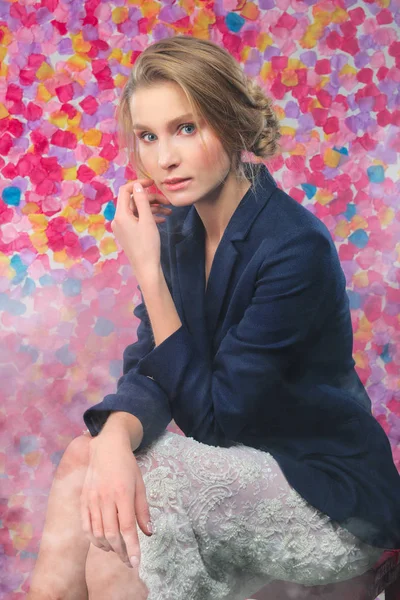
165	321
124	425
215	402
160	307
132	407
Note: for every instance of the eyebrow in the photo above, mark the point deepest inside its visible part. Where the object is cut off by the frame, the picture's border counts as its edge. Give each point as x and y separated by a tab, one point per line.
176	120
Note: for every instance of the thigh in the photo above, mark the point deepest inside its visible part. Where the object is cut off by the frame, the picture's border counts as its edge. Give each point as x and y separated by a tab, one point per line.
108	578
230	516
246	512
203	504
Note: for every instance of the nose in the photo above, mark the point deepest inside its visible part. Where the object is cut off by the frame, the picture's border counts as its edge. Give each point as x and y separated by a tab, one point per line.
167	156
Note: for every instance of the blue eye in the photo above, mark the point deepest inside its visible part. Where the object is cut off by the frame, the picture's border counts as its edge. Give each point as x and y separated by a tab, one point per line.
189	125
143	135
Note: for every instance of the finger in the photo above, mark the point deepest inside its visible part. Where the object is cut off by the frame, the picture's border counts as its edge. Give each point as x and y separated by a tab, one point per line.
158	219
152	197
160	210
145	181
159	198
142	510
155	209
87	525
128	527
96	533
142	203
112	533
127	194
147	184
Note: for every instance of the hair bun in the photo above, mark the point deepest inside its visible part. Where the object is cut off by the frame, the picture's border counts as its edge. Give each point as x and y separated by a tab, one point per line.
266	142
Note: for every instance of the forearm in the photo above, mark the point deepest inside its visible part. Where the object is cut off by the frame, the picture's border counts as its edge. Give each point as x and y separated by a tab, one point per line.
160	306
164	321
126	426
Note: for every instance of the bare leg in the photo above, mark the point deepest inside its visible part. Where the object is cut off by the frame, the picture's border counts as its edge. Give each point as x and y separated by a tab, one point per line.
108	578
59	572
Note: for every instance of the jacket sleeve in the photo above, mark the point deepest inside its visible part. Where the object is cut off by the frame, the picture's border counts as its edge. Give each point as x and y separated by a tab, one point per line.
214	402
136	393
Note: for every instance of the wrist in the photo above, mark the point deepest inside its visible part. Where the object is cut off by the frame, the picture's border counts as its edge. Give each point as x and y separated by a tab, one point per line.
151	278
124	427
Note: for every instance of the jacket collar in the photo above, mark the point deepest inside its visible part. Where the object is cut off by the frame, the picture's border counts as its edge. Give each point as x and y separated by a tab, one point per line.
199	308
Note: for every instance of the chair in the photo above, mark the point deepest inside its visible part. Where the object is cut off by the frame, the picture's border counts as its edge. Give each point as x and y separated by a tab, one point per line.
383	576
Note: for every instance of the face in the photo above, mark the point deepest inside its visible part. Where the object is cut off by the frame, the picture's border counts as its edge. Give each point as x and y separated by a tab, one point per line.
169	144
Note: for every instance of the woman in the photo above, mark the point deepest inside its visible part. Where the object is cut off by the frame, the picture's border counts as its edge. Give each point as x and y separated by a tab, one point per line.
245	340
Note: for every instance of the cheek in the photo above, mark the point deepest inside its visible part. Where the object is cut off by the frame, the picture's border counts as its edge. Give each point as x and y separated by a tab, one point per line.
201	160
148	160
209	158
144	154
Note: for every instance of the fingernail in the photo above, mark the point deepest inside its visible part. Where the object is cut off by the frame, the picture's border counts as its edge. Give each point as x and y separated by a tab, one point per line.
150	527
137	187
134	561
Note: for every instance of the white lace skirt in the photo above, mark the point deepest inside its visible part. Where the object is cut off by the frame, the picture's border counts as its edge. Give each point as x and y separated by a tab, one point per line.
226	523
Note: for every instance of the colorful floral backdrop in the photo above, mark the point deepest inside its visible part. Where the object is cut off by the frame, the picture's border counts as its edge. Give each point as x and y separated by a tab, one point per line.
67	293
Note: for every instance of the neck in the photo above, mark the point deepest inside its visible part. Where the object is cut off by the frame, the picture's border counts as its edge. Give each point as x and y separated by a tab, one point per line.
216	212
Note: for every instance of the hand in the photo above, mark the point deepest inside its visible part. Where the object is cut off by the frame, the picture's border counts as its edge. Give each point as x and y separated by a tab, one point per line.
135	227
113	497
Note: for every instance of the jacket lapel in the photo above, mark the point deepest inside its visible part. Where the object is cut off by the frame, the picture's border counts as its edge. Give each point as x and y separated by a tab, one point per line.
202	309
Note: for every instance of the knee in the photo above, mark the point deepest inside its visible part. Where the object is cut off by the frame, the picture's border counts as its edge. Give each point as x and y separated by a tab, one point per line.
107	577
76	456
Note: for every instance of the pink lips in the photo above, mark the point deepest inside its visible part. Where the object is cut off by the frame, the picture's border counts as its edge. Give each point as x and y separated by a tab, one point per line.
177	186
175	180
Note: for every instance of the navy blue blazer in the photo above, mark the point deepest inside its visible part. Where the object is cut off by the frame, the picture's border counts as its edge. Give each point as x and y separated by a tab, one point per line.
264	358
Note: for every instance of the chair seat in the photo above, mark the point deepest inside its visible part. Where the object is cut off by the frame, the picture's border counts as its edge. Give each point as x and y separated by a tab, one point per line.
384	575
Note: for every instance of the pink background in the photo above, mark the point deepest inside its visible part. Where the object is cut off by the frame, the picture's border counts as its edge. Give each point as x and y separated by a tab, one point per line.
67	292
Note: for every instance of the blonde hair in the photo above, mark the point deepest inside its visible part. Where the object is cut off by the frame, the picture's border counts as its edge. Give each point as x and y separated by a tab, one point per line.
233	104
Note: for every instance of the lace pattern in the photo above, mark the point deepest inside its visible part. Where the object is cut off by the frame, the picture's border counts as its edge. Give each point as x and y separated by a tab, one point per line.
226	523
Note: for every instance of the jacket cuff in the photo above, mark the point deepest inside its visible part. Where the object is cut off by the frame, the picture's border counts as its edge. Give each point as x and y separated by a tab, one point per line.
140	396
167	363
